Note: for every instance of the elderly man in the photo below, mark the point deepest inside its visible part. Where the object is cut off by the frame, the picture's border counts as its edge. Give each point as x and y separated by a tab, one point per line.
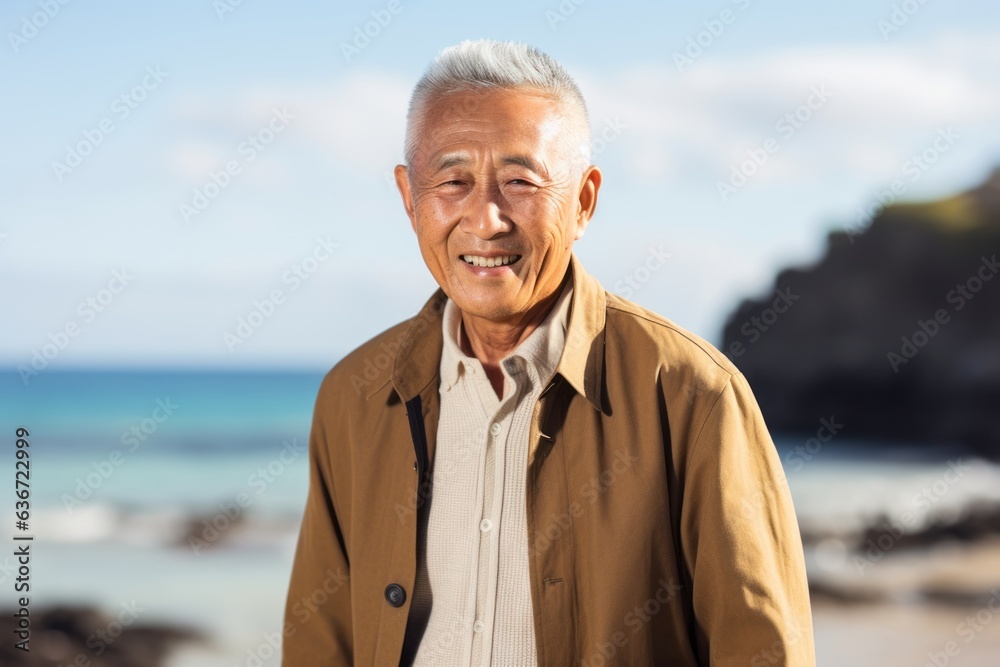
532	470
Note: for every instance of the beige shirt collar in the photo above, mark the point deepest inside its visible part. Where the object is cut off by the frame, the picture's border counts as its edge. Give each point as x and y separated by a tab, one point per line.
539	353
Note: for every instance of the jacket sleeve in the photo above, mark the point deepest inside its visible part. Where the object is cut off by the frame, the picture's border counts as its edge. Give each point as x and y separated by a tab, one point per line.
742	544
318	624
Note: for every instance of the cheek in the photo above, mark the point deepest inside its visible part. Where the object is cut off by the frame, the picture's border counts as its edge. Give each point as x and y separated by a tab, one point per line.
432	223
543	220
435	208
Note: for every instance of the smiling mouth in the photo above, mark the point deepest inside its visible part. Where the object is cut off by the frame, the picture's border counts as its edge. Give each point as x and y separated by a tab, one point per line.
489	262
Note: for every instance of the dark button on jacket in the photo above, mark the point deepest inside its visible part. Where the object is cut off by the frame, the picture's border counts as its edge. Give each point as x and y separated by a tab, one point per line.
395	595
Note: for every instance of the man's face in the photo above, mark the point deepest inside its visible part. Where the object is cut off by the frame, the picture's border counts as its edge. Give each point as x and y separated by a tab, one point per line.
495	180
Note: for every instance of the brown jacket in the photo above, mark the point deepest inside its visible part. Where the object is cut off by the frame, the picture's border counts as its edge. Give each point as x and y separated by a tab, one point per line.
660	524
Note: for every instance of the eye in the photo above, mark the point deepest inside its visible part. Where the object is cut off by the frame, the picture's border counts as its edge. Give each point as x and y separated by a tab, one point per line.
519	181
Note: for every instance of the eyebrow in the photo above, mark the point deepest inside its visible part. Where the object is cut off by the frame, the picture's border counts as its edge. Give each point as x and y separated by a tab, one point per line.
449	160
458	159
525	161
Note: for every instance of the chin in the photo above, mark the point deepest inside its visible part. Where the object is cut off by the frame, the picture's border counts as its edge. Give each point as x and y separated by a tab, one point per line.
484	305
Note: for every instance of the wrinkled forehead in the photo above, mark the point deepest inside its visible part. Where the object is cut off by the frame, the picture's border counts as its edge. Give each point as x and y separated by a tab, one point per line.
465	126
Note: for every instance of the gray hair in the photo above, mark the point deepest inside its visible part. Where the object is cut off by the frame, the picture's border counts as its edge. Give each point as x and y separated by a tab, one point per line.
486	63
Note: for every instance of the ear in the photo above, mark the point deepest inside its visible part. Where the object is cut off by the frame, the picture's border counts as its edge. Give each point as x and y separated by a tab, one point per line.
403	183
587	198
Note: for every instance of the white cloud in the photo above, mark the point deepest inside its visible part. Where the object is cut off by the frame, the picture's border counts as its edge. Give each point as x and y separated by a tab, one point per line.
356	121
192	160
881	101
681	130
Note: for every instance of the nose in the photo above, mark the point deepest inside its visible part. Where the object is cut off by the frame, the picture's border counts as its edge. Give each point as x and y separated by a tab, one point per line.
484	212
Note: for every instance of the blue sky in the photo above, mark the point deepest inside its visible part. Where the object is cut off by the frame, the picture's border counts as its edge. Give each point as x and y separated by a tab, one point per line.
842	101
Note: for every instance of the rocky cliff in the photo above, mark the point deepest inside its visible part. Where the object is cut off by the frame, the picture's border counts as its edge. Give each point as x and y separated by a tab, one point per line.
895	332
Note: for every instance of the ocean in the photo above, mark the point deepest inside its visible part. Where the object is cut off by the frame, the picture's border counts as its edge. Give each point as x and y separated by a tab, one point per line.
182	491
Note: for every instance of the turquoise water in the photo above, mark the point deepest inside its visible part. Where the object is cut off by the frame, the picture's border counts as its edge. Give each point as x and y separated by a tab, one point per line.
162	439
125	535
127	465
191	439
216	409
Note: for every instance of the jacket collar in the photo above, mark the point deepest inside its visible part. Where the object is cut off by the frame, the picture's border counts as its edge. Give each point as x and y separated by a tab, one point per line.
534	359
418	358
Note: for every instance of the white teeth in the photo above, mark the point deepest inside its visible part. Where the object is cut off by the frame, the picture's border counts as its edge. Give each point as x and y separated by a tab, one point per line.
487	262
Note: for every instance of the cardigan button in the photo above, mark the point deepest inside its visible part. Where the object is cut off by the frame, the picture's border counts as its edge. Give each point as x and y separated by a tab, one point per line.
395	595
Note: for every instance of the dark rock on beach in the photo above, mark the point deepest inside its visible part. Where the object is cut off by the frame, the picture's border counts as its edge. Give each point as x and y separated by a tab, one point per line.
69	635
895	332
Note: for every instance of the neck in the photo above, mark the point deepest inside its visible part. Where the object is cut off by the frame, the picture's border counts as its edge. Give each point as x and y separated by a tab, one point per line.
491	341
